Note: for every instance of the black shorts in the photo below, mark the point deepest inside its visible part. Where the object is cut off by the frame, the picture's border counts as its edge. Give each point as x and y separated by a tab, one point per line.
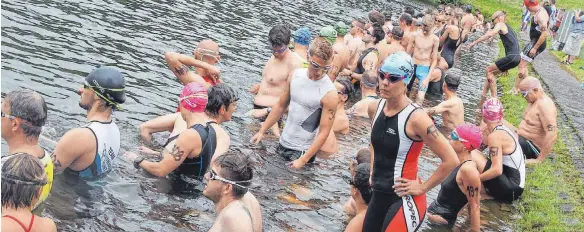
508	62
505	187
529	149
442	211
388	212
525	54
292	155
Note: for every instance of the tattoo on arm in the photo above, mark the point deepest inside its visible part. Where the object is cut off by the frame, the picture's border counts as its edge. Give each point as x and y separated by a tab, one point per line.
493	151
432	130
483	147
177	153
472	191
331	114
181	70
551	127
56	162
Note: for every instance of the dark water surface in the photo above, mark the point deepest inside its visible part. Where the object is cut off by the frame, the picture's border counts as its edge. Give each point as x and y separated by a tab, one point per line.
50	46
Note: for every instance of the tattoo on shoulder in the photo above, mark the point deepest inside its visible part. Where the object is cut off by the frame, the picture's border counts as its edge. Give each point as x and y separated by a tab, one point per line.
176	153
493	151
551	127
432	130
472	191
181	70
56	162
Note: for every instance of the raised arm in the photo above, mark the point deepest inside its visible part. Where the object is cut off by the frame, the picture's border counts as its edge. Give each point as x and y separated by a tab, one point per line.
329	109
69	148
186	143
496	30
179	63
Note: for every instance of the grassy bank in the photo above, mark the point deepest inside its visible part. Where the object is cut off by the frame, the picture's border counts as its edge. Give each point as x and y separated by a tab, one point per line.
573	69
553	199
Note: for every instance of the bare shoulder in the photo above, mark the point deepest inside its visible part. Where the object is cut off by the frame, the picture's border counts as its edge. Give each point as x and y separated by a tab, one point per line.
78	134
45	224
372	107
469	169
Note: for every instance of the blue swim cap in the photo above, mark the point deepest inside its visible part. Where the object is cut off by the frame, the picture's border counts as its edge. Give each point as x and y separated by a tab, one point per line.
302	36
399	63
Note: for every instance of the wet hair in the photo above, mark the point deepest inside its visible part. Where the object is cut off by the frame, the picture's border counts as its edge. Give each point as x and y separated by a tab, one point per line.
387	15
407	18
467	8
363	156
279	35
452	78
361	181
218	96
237	167
370	79
321	49
378	34
23	176
376	18
31	107
348	88
409	10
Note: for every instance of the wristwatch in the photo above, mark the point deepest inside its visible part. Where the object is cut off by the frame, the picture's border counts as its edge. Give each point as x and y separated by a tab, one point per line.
269	109
137	162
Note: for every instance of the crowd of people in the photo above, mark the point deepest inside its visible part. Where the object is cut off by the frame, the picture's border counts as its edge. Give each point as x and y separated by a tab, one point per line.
301	100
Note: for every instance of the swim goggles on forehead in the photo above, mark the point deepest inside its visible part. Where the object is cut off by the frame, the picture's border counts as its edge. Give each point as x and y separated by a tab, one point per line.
5	115
211	175
102	90
198	95
284	47
393	78
211	53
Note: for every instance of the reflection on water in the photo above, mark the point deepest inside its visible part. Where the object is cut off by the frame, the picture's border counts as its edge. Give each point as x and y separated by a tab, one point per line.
50	46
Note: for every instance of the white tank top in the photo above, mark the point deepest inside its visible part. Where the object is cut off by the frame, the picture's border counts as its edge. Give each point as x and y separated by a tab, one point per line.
305	110
516	159
107	138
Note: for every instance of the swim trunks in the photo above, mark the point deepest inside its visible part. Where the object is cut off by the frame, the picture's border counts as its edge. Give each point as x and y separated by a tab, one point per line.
263	119
291	155
421	73
529	149
508	62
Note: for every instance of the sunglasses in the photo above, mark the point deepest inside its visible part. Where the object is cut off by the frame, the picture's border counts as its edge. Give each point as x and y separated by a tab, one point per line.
4	115
212	175
393	78
454	136
525	93
316	66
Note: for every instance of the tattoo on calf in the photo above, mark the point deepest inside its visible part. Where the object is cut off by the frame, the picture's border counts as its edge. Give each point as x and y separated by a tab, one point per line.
493	151
472	191
432	130
551	127
177	153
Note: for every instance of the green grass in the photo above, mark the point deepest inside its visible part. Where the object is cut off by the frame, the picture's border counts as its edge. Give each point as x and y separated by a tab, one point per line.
573	69
540	204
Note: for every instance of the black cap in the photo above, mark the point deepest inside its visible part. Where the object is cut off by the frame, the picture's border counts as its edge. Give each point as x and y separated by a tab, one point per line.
108	83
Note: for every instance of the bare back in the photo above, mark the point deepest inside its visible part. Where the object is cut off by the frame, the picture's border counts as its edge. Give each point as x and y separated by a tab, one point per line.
454	116
340	59
355	46
386	50
274	78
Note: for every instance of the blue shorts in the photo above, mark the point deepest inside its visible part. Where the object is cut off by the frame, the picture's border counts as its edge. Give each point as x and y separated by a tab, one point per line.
421	72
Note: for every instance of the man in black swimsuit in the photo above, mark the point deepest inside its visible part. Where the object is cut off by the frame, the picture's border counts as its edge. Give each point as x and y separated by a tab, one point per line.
537	40
226	184
190	151
512	57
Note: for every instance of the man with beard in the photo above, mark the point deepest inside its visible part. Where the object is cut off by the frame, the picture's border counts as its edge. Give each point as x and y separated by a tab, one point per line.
226	184
89	151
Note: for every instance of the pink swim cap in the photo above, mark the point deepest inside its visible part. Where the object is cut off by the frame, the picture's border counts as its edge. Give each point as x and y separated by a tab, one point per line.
194	97
470	135
493	110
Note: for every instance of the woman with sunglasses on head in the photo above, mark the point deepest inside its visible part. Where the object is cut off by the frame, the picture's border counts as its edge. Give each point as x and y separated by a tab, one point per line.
23	178
399	131
311	99
512	54
463	184
102	93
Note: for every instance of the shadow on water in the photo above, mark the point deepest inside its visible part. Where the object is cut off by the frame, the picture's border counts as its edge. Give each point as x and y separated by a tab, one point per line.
50	46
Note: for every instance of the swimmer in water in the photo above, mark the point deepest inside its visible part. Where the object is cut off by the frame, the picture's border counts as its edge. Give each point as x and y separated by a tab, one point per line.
341	51
361	195
424	49
227	184
204	59
356	44
363	155
451	108
275	75
101	94
369	82
311	99
221	103
503	174
24	113
191	151
345	91
368	59
462	186
512	54
23	178
538	130
302	38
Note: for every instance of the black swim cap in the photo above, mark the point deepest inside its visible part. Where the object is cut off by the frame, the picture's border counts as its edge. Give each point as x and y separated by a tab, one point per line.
109	85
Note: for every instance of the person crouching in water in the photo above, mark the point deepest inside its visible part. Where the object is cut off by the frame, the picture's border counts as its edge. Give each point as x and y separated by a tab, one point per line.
361	195
23	177
462	186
